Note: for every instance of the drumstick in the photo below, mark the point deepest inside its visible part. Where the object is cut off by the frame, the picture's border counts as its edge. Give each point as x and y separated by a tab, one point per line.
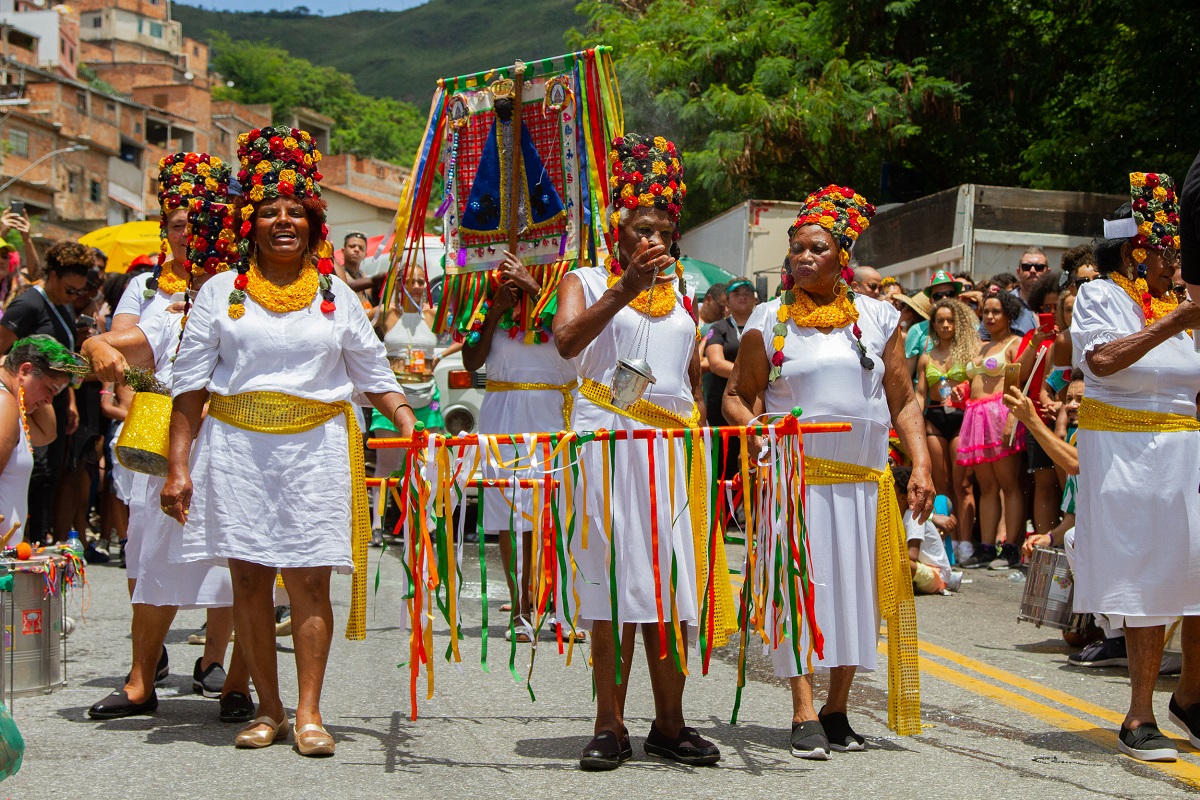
1036	362
7	536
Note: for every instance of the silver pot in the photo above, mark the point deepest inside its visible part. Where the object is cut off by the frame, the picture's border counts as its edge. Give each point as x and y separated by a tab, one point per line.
630	380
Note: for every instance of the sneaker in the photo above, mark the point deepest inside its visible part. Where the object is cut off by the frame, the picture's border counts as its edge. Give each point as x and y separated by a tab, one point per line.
1146	743
1101	653
208	682
841	736
123	543
1008	557
198	637
94	556
982	557
955	582
1188	719
809	741
161	671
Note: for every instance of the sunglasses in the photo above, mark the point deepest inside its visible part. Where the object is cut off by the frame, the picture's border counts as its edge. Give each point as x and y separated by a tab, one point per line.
935	296
77	292
1081	281
1033	265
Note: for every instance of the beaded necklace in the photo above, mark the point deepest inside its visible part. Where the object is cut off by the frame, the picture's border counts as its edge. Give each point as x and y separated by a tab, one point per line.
24	416
1153	308
281	299
798	306
170	283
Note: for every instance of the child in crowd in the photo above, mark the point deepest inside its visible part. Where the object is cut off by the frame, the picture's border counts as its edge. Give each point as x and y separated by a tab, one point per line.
927	559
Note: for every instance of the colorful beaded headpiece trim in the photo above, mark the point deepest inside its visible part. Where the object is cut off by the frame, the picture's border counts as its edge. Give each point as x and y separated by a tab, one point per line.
1155	210
198	182
646	172
839	210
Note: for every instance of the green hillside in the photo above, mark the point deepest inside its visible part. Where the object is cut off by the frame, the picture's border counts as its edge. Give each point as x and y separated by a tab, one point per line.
401	54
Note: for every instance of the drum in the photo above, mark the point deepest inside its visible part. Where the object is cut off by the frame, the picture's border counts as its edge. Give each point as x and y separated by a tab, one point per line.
34	646
1049	591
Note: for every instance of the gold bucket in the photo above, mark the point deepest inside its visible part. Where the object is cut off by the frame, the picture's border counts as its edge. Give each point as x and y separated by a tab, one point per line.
142	445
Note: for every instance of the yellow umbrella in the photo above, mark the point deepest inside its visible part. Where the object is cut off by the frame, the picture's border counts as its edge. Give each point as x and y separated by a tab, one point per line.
123	243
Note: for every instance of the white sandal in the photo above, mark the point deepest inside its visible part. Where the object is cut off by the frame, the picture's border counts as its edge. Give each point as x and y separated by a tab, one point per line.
519	628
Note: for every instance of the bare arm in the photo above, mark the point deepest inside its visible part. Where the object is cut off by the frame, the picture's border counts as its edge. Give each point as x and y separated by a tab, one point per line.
717	363
389	403
1028	357
1061	453
7	338
1112	357
922	384
694	375
176	497
111	353
909	424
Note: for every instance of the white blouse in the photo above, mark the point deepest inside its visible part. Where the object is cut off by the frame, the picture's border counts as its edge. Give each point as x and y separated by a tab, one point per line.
309	354
1167	379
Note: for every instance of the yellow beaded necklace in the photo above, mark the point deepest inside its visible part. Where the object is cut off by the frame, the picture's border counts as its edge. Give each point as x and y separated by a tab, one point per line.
1154	308
281	299
807	314
657	301
24	415
170	283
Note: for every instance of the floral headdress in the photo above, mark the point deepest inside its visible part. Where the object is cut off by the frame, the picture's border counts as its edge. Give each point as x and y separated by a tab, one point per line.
278	161
198	182
1153	226
845	214
841	211
646	172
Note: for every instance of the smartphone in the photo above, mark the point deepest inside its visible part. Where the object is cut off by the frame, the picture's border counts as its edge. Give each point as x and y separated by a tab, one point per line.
1012	376
1046	322
17	207
84	321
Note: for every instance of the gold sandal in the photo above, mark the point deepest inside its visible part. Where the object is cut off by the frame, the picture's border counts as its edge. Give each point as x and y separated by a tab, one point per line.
251	738
314	740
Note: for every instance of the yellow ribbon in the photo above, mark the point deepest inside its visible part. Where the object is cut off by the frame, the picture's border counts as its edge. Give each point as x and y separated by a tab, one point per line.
565	388
275	412
896	604
1095	415
655	416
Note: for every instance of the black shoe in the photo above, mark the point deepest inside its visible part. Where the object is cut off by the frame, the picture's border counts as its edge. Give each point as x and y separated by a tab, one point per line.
981	558
118	705
605	752
236	707
686	748
94	556
123	542
1101	653
161	672
208	682
841	736
1188	719
1007	557
809	741
1146	743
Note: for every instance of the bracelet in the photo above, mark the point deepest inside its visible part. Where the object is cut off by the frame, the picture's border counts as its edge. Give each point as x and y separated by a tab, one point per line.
397	408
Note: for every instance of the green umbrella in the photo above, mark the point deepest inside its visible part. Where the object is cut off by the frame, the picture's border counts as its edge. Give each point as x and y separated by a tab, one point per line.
701	274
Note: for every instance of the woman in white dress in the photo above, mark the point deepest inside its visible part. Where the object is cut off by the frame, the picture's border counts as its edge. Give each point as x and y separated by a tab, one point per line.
530	389
33	372
1137	540
146	331
631	309
278	349
840	358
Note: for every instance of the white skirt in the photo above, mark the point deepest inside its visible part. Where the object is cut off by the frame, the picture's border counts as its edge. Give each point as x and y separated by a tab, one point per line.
516	412
159	581
1137	524
279	500
632	541
841	539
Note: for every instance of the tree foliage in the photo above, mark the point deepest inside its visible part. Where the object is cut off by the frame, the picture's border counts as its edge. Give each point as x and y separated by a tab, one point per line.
263	73
772	98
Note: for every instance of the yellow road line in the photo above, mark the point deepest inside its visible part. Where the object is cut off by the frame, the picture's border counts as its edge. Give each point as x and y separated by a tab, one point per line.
1011	679
1183	771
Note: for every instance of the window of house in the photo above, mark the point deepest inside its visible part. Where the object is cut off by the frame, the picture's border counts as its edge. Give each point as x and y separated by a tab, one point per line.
156	30
18	143
81	102
94	191
110	108
195	50
62	46
141	22
137	127
72	182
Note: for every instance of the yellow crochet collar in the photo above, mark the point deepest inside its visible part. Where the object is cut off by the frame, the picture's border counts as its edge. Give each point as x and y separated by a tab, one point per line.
657	301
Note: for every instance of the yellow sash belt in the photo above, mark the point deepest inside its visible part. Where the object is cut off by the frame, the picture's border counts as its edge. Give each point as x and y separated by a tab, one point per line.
1095	415
275	412
565	388
655	416
894	581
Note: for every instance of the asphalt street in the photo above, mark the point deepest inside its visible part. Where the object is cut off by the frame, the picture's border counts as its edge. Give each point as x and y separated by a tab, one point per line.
1006	717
